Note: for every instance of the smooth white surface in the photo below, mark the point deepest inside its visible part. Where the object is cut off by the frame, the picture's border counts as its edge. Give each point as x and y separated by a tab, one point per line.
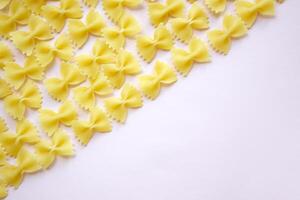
229	131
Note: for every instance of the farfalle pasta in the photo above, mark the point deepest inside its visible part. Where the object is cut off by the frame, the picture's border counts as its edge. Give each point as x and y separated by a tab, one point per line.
35	5
160	13
25	41
58	88
248	10
45	53
117	107
26	133
216	6
17	75
233	28
148	46
59	145
17	14
115	8
125	64
26	164
98	122
4	3
5	55
90	64
85	96
162	74
197	53
57	16
50	120
28	97
183	26
115	37
5	89
79	31
3	128
91	3
3	189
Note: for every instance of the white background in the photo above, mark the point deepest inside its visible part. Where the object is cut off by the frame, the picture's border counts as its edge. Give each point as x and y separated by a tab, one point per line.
229	131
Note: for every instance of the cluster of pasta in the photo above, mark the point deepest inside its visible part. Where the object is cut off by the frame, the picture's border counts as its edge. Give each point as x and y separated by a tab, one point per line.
49	32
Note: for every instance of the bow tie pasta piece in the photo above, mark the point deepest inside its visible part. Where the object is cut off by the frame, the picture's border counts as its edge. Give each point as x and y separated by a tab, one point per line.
58	16
183	27
26	133
216	6
45	53
17	75
116	8
3	189
59	145
160	13
30	97
91	3
51	120
86	96
248	11
14	174
98	122
58	88
233	28
115	37
126	64
79	32
25	41
101	54
17	14
148	47
4	3
5	89
183	60
151	84
5	55
35	5
3	126
117	107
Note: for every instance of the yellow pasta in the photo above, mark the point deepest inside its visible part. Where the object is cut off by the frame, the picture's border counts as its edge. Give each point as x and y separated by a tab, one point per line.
79	32
26	133
4	3
5	55
115	8
62	48
101	54
57	16
98	122
148	47
3	189
26	164
51	120
248	11
183	60
17	14
29	97
117	107
233	27
125	64
160	13
17	75
5	89
216	6
25	41
85	96
196	19
115	37
150	84
58	88
34	5
91	3
59	145
3	128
